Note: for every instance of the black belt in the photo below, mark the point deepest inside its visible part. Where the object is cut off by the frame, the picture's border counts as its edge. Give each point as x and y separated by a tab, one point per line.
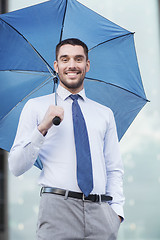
91	197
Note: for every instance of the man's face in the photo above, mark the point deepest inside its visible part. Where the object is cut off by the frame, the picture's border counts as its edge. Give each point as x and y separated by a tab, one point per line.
71	66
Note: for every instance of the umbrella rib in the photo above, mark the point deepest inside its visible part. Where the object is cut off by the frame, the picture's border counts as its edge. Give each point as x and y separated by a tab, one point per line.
33	91
25	71
46	63
63	21
30	72
97	80
110	40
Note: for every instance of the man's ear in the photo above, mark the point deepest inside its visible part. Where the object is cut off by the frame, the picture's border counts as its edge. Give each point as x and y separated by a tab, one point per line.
88	66
56	66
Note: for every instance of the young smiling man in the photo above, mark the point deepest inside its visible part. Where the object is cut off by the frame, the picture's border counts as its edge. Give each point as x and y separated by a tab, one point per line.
65	213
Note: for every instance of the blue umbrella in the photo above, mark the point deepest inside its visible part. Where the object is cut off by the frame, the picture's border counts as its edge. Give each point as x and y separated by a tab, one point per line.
27	50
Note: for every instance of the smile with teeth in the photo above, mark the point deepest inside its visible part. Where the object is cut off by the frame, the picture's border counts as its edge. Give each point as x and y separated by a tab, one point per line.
72	73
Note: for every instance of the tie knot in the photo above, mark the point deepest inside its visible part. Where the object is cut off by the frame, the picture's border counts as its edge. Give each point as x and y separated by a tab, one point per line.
74	97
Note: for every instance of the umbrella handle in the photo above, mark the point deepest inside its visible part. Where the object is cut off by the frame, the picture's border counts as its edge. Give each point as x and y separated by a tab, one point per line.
56	120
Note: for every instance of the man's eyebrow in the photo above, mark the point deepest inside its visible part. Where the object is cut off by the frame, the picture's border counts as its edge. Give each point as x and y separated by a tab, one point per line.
81	56
76	56
62	56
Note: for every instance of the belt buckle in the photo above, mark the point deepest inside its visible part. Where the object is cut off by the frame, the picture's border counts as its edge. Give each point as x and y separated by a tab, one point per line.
95	198
83	197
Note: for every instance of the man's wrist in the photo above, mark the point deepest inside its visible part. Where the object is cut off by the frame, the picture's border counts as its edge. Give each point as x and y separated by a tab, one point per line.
42	131
121	219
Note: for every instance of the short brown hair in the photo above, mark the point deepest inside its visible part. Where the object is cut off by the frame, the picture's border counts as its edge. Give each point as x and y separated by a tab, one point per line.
73	42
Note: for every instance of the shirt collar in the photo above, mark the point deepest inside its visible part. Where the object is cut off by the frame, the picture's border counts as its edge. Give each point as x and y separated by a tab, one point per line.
64	93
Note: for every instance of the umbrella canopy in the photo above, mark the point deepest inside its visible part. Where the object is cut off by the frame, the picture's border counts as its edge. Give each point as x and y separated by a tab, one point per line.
27	50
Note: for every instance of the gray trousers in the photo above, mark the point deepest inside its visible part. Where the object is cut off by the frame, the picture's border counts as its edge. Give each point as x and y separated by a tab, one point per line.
75	219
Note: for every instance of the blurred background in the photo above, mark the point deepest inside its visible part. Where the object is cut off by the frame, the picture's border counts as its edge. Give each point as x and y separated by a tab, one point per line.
140	146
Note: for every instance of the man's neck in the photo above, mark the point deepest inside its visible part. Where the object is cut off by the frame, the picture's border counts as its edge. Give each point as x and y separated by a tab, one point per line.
72	90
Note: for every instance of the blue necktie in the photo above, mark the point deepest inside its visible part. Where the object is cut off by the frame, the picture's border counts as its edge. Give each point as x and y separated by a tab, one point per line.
84	163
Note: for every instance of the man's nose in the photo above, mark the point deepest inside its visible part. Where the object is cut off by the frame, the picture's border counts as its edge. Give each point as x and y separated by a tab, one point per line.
72	63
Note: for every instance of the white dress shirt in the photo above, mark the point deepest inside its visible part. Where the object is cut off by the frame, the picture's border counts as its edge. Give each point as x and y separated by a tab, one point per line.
57	149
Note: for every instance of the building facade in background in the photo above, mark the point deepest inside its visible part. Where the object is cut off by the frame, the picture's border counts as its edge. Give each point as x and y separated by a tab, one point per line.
3	173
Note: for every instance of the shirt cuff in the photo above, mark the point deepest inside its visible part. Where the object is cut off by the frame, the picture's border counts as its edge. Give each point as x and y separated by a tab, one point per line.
118	209
37	138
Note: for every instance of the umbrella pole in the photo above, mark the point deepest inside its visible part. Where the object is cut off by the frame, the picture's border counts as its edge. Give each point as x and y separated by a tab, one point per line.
56	120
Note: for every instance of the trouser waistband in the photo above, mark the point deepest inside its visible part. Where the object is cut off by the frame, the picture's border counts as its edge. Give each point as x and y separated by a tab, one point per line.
78	195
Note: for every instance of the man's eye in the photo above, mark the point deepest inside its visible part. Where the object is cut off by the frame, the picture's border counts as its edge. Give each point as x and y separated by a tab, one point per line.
64	59
79	59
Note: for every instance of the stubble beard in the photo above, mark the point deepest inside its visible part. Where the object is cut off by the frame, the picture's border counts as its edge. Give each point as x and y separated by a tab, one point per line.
72	84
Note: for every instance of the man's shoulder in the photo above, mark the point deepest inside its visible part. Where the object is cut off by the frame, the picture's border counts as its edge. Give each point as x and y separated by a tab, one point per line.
39	104
99	106
42	100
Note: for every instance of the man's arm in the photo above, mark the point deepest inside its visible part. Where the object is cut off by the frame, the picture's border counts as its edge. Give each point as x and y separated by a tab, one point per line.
27	143
30	137
114	168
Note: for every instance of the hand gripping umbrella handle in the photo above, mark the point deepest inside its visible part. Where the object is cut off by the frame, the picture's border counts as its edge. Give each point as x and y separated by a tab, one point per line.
56	120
